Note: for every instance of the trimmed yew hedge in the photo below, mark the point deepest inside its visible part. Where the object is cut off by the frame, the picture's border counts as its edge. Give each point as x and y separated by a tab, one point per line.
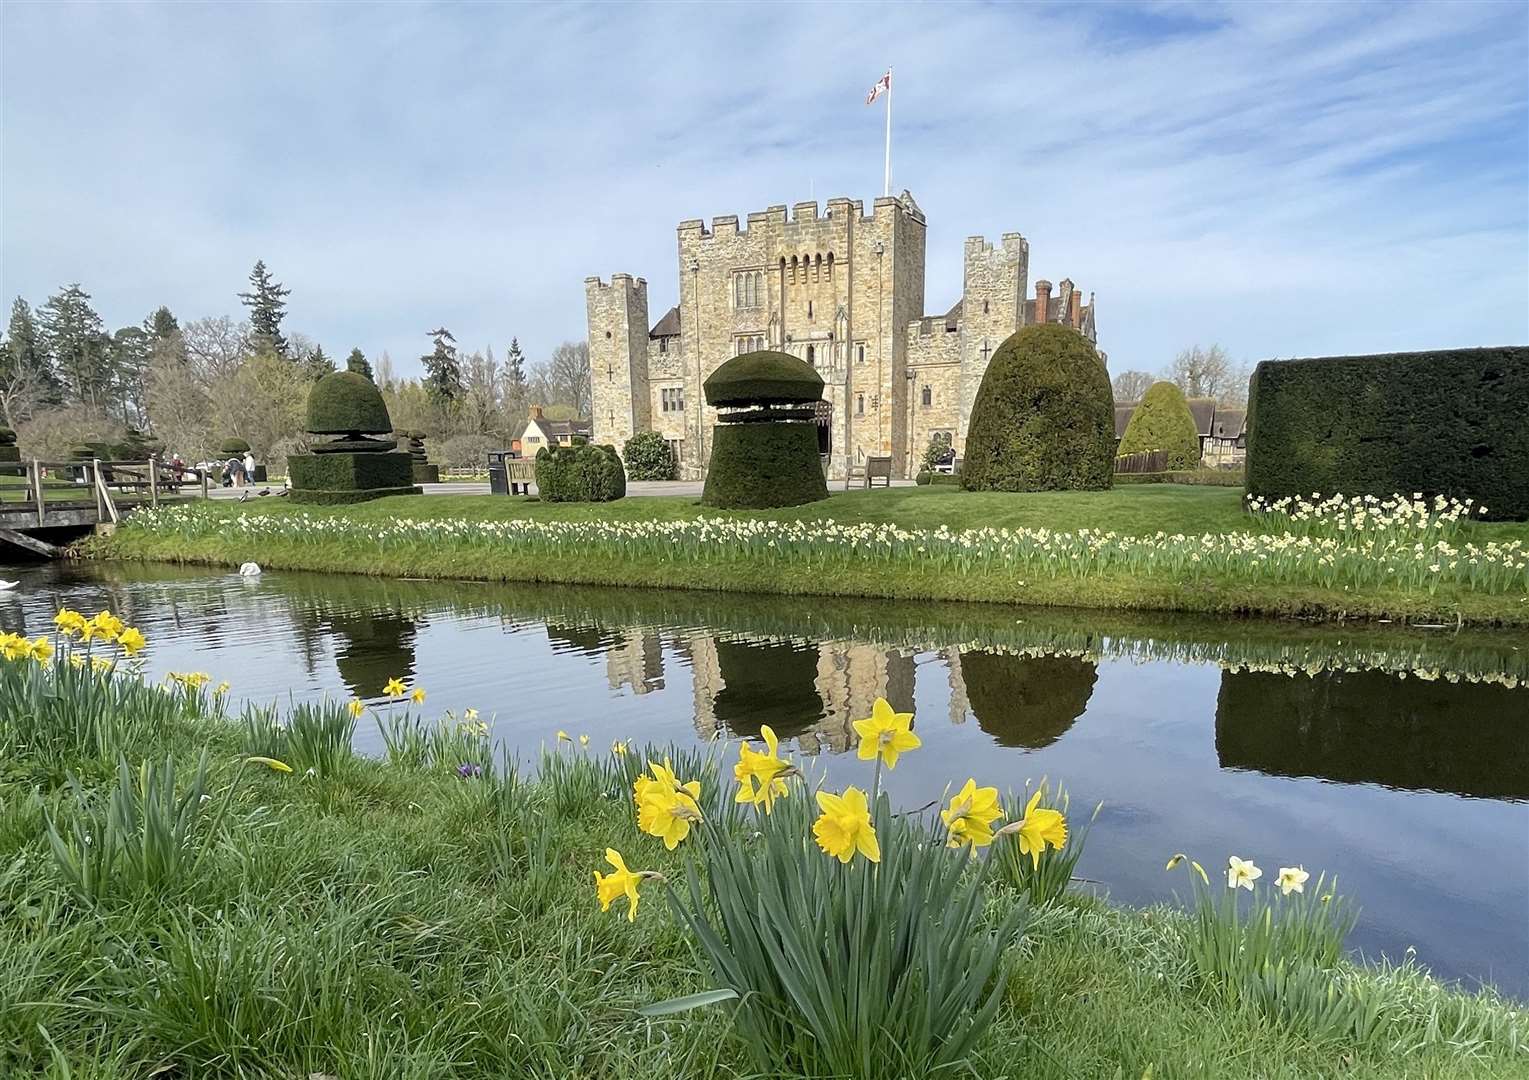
1163	422
583	473
758	466
1044	418
347	478
1453	422
344	403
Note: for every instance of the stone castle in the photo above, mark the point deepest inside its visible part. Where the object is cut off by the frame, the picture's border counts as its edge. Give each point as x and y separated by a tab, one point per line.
843	291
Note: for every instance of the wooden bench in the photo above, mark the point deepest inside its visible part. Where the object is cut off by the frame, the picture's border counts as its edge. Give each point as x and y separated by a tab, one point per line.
520	474
878	467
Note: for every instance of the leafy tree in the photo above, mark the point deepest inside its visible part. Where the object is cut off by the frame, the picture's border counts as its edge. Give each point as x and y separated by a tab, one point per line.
1131	385
266	403
648	457
358	363
443	375
76	340
267	303
517	389
161	324
936	451
26	378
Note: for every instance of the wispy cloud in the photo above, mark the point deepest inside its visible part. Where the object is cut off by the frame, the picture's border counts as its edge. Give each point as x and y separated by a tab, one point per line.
1286	179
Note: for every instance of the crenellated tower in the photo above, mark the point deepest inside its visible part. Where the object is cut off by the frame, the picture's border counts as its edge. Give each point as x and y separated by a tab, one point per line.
992	307
618	357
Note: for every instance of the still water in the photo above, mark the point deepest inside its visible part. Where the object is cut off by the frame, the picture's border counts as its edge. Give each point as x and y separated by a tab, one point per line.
1397	758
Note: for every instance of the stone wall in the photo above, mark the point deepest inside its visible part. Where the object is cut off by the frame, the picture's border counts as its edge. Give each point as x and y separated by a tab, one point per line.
992	307
618	357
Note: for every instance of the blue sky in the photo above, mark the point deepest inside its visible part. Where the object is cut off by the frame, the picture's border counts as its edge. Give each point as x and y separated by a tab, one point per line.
1296	179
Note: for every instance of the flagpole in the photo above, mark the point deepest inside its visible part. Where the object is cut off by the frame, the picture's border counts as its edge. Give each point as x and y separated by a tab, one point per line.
886	182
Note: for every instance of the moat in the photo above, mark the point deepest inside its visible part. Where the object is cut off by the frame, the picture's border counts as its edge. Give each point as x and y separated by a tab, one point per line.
1398	759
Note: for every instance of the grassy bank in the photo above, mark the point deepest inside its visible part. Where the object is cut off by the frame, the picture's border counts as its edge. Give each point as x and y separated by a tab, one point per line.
1160	547
359	918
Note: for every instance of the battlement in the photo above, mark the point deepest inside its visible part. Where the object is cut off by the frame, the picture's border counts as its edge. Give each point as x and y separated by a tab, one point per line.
1012	243
618	281
805	214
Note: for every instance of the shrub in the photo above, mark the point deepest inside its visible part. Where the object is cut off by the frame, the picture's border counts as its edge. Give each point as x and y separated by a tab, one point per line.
649	457
756	466
345	403
584	473
1198	477
936	478
463	451
233	446
1440	423
763	378
1044	418
937	452
1163	422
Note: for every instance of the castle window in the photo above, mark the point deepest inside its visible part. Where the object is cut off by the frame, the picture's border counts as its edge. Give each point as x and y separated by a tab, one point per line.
984	307
860	354
793	269
928	396
859	404
607	335
830	266
817	268
663	344
812	356
809	309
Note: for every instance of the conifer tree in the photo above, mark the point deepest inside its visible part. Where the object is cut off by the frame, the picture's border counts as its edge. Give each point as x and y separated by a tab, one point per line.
161	324
517	388
358	363
77	344
443	374
317	363
26	373
267	303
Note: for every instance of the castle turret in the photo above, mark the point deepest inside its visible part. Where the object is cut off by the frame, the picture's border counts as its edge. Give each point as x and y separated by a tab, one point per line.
618	357
992	308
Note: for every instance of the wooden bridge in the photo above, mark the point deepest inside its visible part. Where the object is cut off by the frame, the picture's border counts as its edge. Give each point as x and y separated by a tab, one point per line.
45	502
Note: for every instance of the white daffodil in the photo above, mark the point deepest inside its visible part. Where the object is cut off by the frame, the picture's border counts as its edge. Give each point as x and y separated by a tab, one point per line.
1241	872
1291	879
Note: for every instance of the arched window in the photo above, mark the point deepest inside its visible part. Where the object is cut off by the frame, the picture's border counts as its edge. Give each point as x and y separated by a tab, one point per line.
817	268
984	307
793	269
928	396
812	356
860	354
859	404
809	303
830	266
737	290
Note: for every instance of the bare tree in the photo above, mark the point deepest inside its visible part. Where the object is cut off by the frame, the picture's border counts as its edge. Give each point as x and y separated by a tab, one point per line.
480	400
1131	385
215	347
1201	372
568	375
179	408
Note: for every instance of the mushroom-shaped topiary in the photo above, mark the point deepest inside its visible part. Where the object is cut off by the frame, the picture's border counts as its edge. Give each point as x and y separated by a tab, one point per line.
764	450
1163	422
344	403
1044	418
233	446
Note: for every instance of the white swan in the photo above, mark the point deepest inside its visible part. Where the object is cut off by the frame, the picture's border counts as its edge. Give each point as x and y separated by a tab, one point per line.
7	585
249	569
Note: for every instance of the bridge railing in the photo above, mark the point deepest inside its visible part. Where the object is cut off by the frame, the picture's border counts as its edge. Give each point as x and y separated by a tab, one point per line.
102	484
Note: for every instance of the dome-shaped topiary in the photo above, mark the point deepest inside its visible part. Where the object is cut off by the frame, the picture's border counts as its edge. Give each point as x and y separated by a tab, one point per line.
1163	422
763	378
1044	418
233	446
344	403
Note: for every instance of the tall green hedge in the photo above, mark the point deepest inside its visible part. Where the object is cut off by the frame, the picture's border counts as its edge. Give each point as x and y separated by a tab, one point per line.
1453	422
585	473
1163	422
762	465
648	457
1044	418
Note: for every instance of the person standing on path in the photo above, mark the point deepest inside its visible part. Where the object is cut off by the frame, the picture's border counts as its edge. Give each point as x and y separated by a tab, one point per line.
249	467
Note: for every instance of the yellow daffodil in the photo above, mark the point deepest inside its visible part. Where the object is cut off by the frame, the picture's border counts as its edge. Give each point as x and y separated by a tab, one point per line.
69	622
1040	826
271	763
666	807
14	647
563	736
107	626
42	650
844	827
621	882
886	733
1180	857
761	777
469	714
395	688
131	641
1241	872
620	747
356	707
1291	879
418	695
584	740
76	661
100	665
221	689
971	814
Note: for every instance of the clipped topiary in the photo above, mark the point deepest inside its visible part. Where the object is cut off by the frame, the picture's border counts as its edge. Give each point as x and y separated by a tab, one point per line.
584	473
345	403
1163	422
1044	418
9	451
233	446
648	457
764	449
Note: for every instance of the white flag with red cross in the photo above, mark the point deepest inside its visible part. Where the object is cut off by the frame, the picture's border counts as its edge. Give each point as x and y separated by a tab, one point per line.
883	85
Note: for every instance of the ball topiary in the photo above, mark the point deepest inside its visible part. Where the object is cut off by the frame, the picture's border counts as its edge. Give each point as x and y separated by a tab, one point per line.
1163	422
1044	418
648	457
233	446
765	452
344	403
584	473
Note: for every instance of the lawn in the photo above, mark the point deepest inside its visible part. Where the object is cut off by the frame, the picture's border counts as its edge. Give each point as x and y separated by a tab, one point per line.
395	920
493	538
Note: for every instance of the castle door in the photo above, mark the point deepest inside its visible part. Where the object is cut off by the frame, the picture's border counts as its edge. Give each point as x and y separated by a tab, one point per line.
824	414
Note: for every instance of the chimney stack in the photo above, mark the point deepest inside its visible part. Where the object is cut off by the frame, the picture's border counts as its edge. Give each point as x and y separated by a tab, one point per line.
1075	309
536	412
1042	300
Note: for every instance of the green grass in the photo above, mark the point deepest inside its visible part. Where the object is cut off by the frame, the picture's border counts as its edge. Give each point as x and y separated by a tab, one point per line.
391	921
1144	510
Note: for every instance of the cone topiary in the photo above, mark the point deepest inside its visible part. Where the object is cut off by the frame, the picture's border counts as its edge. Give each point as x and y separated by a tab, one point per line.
1044	417
764	450
1163	422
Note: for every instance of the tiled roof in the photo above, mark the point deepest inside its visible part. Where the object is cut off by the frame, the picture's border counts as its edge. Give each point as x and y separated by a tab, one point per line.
1203	409
668	326
1123	417
1230	422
